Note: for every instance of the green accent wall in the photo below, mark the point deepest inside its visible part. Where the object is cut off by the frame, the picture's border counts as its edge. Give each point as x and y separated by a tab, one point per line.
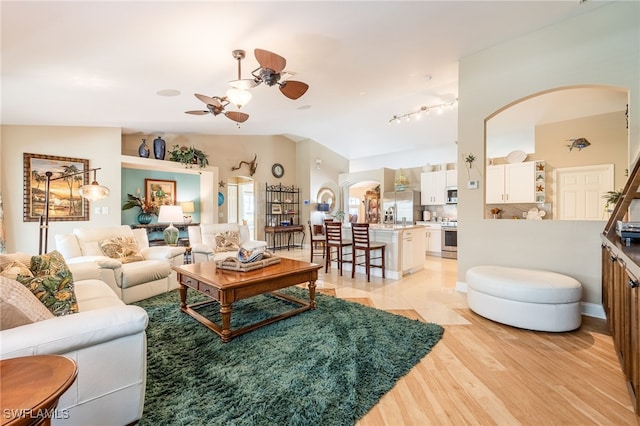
187	189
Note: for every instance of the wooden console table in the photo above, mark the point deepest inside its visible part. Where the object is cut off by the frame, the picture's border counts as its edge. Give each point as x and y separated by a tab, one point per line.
281	234
31	387
160	227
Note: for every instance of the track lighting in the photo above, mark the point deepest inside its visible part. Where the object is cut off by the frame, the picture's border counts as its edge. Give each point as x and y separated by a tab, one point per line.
423	110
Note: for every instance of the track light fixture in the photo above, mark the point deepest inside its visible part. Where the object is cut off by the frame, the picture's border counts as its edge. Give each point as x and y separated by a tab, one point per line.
423	110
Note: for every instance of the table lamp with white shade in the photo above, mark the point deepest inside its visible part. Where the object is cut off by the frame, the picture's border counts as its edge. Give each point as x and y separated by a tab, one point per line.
187	208
171	214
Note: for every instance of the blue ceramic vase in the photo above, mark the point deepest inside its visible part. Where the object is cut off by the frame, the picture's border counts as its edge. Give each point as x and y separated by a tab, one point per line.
159	148
144	218
143	149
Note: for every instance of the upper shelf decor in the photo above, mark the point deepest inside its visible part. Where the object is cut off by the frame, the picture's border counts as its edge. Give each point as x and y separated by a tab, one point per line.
188	156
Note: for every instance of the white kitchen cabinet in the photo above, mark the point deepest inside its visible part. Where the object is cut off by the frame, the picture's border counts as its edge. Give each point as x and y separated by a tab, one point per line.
433	240
451	179
412	250
432	186
511	183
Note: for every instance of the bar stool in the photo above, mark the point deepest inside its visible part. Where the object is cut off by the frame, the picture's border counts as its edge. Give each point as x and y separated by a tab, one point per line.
318	240
361	243
333	234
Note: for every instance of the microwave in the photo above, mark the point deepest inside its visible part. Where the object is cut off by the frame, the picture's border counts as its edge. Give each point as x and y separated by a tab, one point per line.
452	195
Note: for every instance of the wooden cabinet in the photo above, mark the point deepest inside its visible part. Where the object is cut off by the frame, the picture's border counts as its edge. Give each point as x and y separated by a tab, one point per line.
511	183
621	302
433	240
432	188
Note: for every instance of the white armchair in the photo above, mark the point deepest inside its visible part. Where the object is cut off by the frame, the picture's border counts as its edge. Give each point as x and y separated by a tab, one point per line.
209	241
131	281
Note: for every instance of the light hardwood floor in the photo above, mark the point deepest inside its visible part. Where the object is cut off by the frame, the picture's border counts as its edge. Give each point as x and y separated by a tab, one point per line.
482	372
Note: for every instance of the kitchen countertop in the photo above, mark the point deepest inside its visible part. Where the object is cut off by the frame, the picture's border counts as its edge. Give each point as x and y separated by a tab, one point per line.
382	227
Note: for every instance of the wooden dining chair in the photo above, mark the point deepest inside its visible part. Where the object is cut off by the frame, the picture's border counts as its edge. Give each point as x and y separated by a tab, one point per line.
335	246
318	240
362	248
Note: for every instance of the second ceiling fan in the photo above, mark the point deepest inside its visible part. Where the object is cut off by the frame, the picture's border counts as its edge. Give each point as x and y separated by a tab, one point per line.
216	105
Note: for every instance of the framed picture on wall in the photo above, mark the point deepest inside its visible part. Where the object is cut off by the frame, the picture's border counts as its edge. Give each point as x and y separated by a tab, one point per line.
65	202
160	192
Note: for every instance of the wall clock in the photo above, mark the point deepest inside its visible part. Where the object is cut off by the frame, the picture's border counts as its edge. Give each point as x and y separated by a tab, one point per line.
277	170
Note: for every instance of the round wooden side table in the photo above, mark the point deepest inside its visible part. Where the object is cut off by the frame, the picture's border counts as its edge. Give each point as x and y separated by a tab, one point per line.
31	387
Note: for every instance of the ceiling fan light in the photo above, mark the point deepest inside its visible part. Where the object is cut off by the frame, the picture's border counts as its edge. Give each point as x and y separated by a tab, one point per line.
243	84
239	97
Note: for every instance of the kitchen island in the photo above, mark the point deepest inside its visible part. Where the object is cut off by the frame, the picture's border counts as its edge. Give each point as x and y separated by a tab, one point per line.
404	250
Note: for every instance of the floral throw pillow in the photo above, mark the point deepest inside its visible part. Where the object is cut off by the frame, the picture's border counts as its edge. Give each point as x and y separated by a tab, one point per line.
227	241
125	249
52	283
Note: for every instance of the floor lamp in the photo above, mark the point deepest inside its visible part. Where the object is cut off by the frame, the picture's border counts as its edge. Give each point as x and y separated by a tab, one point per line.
92	192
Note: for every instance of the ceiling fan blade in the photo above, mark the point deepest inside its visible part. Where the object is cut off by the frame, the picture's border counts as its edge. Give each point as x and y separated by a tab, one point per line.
197	112
270	60
238	117
208	100
293	89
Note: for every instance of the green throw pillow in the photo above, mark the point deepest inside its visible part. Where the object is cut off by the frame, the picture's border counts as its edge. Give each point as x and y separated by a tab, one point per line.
52	283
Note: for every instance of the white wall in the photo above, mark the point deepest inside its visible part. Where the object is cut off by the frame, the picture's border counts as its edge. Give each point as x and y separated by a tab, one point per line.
101	146
601	47
429	154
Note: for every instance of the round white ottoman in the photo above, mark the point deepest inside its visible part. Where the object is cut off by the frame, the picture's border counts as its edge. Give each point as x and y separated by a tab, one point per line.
525	298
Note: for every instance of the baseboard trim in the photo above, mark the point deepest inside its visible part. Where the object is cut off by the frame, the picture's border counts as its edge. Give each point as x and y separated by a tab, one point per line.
593	310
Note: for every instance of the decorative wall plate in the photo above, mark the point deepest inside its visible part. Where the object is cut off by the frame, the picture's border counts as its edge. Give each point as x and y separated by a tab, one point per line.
220	198
516	157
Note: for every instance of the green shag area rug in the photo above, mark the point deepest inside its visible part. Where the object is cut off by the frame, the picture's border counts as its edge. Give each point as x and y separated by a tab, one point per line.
326	366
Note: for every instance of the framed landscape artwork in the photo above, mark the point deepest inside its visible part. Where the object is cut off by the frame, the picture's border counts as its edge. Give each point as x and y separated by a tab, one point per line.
65	202
160	192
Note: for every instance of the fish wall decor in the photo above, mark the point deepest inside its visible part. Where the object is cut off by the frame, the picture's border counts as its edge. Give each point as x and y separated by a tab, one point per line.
578	143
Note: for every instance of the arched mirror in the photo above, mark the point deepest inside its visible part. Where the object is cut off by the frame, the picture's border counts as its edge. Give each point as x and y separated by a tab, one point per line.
326	200
555	154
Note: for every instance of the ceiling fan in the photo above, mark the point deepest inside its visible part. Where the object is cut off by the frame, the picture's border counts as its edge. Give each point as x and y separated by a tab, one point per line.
216	105
270	72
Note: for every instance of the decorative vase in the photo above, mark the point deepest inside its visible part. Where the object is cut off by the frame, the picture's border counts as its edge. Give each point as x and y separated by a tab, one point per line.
144	218
143	149
159	148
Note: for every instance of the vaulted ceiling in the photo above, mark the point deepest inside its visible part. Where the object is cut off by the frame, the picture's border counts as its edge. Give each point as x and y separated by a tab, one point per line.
108	63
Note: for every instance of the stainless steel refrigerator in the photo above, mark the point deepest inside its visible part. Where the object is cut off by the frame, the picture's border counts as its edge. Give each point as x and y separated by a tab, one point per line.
401	204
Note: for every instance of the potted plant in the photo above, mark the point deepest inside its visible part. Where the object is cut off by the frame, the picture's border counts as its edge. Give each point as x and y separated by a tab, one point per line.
147	208
339	216
188	156
612	198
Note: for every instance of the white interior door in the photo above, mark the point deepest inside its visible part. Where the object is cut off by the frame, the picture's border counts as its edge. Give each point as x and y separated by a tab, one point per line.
579	191
232	203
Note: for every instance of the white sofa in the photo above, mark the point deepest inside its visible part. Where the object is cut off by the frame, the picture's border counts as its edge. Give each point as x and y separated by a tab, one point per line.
130	281
106	339
202	239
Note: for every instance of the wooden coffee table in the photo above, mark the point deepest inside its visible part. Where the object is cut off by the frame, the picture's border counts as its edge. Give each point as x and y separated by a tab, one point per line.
226	287
31	386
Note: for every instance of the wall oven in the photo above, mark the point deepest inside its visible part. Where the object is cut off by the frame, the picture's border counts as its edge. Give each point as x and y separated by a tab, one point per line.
450	240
